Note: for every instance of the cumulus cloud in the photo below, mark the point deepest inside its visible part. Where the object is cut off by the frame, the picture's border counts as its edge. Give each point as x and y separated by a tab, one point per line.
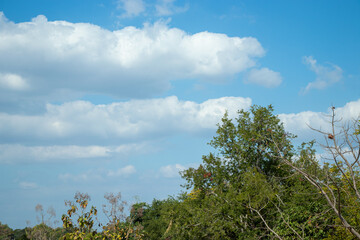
171	171
82	122
298	123
132	8
167	7
263	77
59	57
325	75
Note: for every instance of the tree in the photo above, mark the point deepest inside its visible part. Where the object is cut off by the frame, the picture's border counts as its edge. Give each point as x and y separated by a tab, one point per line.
44	230
156	218
5	232
339	179
114	210
82	228
357	132
120	227
243	190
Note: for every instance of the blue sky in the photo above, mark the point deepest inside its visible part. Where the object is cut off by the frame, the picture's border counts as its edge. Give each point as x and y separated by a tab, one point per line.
118	96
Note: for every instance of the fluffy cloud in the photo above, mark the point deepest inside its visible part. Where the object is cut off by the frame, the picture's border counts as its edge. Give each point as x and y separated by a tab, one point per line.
54	58
13	82
325	75
81	130
263	77
132	8
300	123
82	122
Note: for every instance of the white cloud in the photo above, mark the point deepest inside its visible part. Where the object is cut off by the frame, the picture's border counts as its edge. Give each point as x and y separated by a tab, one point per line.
132	8
263	77
59	58
171	171
122	172
82	122
28	185
82	177
99	174
11	81
15	153
298	123
325	75
167	7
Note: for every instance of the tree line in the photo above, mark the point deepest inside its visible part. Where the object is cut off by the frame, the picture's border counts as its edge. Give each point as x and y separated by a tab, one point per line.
255	185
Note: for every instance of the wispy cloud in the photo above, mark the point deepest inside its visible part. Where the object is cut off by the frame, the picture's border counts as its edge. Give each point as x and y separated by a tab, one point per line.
28	185
16	153
171	171
99	174
167	8
122	172
263	77
131	8
325	75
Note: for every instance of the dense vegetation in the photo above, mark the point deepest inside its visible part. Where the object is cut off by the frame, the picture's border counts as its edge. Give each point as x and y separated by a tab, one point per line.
256	185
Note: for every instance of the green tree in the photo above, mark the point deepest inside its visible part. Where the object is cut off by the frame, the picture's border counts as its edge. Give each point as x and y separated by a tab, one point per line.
156	218
5	232
20	234
44	230
244	190
83	226
338	181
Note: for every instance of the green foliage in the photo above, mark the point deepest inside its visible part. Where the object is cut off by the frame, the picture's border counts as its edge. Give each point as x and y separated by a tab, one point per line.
123	231
5	232
20	234
79	222
42	231
357	131
83	227
156	218
244	191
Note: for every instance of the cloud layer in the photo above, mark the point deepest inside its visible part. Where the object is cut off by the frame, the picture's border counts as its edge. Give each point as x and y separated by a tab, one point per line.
82	130
51	59
84	122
